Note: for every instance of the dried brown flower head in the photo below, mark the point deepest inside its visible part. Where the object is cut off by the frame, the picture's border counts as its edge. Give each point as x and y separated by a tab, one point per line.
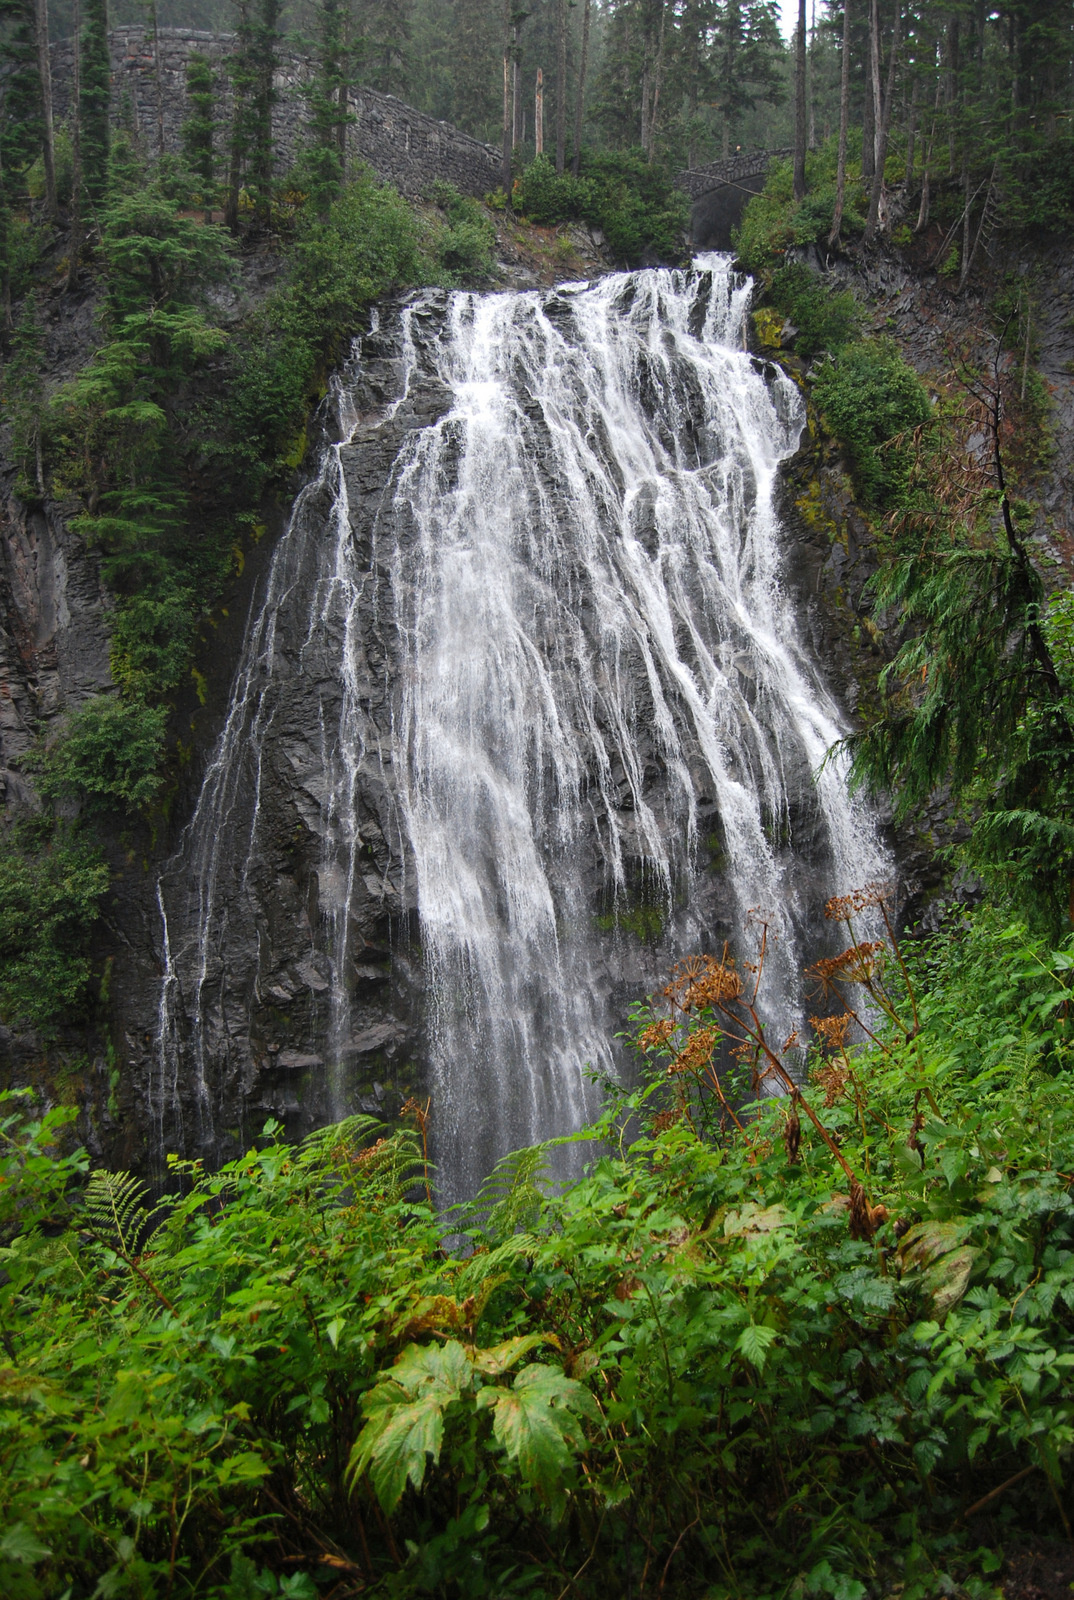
833	1079
697	1051
859	964
874	896
833	1030
656	1034
704	981
667	1119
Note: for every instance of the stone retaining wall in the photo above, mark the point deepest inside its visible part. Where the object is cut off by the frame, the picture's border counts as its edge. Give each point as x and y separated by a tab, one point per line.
402	145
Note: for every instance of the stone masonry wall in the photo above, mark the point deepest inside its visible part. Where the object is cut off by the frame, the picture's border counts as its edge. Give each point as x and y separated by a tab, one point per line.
735	169
402	145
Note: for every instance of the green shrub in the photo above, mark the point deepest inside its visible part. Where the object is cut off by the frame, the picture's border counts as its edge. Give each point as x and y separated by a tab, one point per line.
546	197
630	199
826	319
774	222
366	245
790	1344
152	637
107	755
51	885
869	397
465	250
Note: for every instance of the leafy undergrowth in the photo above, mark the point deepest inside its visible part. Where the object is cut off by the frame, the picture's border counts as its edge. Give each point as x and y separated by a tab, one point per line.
817	1345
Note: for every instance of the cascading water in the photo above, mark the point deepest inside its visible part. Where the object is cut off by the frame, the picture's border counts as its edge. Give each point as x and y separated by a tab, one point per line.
555	651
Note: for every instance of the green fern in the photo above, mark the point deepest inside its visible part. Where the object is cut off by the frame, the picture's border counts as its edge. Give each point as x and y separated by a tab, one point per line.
513	1195
117	1217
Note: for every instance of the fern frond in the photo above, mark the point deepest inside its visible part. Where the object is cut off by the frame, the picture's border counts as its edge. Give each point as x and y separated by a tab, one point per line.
325	1146
512	1196
116	1213
486	1269
391	1167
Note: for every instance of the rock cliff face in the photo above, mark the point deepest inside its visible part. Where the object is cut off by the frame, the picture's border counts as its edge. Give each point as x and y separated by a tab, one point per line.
261	1019
463	638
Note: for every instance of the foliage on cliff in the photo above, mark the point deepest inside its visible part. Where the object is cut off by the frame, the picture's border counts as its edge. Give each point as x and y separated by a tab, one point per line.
820	1345
977	704
633	203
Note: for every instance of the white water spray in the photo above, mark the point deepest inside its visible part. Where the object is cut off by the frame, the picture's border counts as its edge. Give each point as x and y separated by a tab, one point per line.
595	684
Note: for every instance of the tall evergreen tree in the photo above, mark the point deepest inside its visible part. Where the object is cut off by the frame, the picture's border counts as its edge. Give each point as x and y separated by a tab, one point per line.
242	70
94	102
800	122
44	73
327	97
199	128
265	41
20	127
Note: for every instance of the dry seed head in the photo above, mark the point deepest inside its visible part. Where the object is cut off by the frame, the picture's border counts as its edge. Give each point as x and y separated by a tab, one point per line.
841	907
833	1079
656	1034
666	1119
859	964
833	1030
697	1051
703	981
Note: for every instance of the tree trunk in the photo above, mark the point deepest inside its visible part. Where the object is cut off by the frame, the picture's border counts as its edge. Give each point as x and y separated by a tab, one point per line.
877	192
579	103
951	74
926	183
800	103
874	76
518	113
561	85
811	87
44	73
538	114
844	108
506	172
657	79
911	135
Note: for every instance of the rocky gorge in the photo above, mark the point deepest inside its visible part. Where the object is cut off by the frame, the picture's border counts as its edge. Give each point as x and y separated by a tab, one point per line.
264	950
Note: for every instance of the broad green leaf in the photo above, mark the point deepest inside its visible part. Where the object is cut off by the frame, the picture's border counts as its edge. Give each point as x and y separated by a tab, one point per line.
753	1343
755	1219
394	1447
534	1424
493	1363
444	1368
333	1329
19	1544
947	1279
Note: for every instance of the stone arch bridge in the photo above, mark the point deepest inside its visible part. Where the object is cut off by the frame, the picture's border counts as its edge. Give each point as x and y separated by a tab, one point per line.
719	191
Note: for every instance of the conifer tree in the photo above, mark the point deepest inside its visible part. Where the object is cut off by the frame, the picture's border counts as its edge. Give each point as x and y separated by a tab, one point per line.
20	126
199	129
265	39
44	73
327	97
94	102
241	72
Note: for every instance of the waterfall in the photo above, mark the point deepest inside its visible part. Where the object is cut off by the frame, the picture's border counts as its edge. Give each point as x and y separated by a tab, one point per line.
555	656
